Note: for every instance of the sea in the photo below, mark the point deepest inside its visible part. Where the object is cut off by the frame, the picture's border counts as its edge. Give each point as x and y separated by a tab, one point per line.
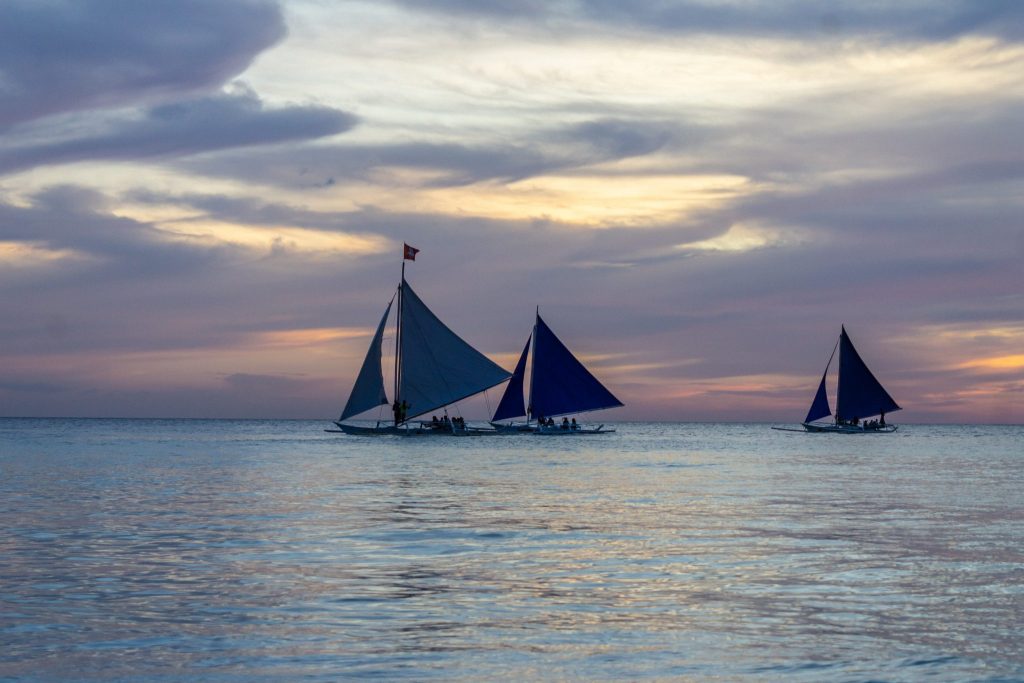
218	550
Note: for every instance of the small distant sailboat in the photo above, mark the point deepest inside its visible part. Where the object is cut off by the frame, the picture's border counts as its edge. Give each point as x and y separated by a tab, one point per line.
858	396
559	385
434	367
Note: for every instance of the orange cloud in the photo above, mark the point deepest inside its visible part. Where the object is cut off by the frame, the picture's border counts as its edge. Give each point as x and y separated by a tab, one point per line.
1011	362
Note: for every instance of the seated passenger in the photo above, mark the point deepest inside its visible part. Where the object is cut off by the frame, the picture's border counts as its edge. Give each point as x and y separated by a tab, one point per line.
574	425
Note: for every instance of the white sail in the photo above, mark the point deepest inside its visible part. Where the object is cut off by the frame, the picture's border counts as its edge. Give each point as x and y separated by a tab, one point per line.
438	367
368	391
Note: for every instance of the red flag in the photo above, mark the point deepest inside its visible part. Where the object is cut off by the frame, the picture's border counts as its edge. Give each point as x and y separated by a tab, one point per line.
410	253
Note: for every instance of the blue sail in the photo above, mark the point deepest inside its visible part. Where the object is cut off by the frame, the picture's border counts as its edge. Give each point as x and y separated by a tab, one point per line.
860	394
561	385
511	404
438	366
368	390
819	408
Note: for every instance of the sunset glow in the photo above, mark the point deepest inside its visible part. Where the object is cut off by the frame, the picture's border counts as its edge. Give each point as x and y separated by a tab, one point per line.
697	197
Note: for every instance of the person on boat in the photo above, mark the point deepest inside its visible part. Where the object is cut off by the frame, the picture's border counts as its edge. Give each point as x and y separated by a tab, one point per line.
565	423
573	425
551	422
881	420
405	409
397	409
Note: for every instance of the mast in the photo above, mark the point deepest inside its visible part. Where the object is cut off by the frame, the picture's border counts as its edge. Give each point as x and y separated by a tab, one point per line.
839	374
398	346
839	371
533	353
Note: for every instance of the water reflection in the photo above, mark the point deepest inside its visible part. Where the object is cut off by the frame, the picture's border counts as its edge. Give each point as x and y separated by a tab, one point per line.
161	549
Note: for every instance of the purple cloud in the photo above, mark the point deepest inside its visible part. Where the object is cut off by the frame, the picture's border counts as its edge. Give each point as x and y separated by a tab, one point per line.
453	164
183	128
794	19
74	55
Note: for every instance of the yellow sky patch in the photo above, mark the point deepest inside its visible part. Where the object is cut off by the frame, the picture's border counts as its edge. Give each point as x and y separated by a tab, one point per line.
309	337
287	238
591	201
27	255
1011	362
741	237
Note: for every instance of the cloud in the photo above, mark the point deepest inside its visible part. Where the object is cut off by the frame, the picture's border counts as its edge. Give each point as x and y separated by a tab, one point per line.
73	55
667	180
233	328
447	164
789	19
184	128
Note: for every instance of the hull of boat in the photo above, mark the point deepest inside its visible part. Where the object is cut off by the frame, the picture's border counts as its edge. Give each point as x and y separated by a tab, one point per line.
520	428
379	430
847	429
579	431
409	430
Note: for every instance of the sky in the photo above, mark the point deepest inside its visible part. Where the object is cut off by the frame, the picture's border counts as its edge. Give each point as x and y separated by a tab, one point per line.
203	202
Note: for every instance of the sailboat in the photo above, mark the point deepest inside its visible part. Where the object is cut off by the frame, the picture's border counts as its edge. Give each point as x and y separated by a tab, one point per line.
559	385
434	367
858	396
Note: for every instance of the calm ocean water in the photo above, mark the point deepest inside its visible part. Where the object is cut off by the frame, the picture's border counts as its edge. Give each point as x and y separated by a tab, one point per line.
180	550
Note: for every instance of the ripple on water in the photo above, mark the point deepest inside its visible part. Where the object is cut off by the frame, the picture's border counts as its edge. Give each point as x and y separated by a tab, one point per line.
270	551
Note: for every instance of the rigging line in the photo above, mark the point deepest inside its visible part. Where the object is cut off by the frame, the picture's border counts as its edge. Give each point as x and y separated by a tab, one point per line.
827	365
832	356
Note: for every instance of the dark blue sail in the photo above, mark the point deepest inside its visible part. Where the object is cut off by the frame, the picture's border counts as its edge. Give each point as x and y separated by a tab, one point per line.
860	394
819	408
561	385
511	404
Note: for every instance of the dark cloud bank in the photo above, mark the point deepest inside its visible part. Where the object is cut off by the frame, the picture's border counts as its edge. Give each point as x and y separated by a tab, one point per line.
74	55
183	128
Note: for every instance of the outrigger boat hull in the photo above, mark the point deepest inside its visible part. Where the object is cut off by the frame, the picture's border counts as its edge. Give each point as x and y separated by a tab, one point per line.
848	429
520	428
378	430
424	429
579	431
